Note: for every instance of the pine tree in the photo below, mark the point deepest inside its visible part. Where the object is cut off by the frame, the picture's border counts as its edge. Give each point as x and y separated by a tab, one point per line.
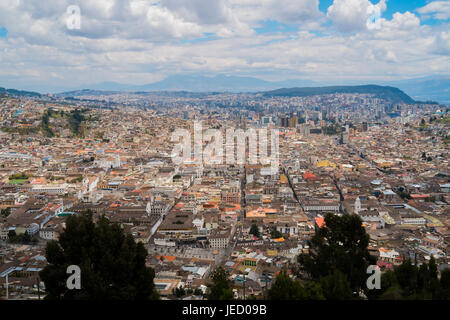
285	288
112	264
336	287
340	245
220	288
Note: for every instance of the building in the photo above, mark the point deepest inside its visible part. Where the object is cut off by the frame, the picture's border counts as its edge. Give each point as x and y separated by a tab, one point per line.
219	238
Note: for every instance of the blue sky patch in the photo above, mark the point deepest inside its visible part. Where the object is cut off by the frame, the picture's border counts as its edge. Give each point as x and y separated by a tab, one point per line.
206	37
3	32
392	6
272	26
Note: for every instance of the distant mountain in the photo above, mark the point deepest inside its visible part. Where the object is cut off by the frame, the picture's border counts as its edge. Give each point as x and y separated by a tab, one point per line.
219	83
436	88
389	93
199	83
85	92
14	92
89	92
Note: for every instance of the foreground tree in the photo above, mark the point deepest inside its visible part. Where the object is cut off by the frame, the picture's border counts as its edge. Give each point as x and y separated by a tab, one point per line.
220	288
336	287
112	264
285	288
409	282
443	291
254	230
341	244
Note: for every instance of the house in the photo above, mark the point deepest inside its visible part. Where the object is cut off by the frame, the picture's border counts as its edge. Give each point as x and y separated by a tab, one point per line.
390	256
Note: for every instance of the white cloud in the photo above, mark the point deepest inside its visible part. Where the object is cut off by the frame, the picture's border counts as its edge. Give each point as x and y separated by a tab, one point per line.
352	15
405	20
437	10
139	42
441	43
286	11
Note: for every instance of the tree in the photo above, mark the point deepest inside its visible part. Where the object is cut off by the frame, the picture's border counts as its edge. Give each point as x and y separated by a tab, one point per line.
427	279
112	264
408	281
274	234
406	275
336	287
179	292
220	289
254	230
443	291
314	290
340	245
285	288
198	292
18	238
392	293
388	280
5	212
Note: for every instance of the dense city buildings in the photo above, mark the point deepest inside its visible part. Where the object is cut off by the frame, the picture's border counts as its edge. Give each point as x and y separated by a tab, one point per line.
113	155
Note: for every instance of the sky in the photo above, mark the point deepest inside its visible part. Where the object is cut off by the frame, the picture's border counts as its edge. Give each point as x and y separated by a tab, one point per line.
51	45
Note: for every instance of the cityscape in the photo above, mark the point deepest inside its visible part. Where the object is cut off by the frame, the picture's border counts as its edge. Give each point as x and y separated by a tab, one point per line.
216	190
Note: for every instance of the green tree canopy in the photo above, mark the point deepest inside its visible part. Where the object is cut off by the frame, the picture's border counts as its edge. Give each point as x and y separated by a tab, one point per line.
112	264
220	288
5	212
254	230
410	282
340	245
275	234
336	287
285	288
443	291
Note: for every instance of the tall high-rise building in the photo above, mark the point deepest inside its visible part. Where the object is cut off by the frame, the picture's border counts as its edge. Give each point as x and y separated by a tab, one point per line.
284	122
364	126
293	121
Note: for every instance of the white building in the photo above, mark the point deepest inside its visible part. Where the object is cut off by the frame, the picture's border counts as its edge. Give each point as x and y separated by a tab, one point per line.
219	239
50	189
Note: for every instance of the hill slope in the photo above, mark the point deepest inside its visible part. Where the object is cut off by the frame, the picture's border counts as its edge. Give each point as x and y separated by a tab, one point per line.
389	93
431	88
14	92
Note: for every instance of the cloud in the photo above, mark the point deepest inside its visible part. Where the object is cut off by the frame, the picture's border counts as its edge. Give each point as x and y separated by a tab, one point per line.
402	25
352	15
285	11
140	41
439	10
441	43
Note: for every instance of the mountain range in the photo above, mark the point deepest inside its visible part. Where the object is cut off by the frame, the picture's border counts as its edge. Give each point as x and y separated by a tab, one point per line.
199	83
436	88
